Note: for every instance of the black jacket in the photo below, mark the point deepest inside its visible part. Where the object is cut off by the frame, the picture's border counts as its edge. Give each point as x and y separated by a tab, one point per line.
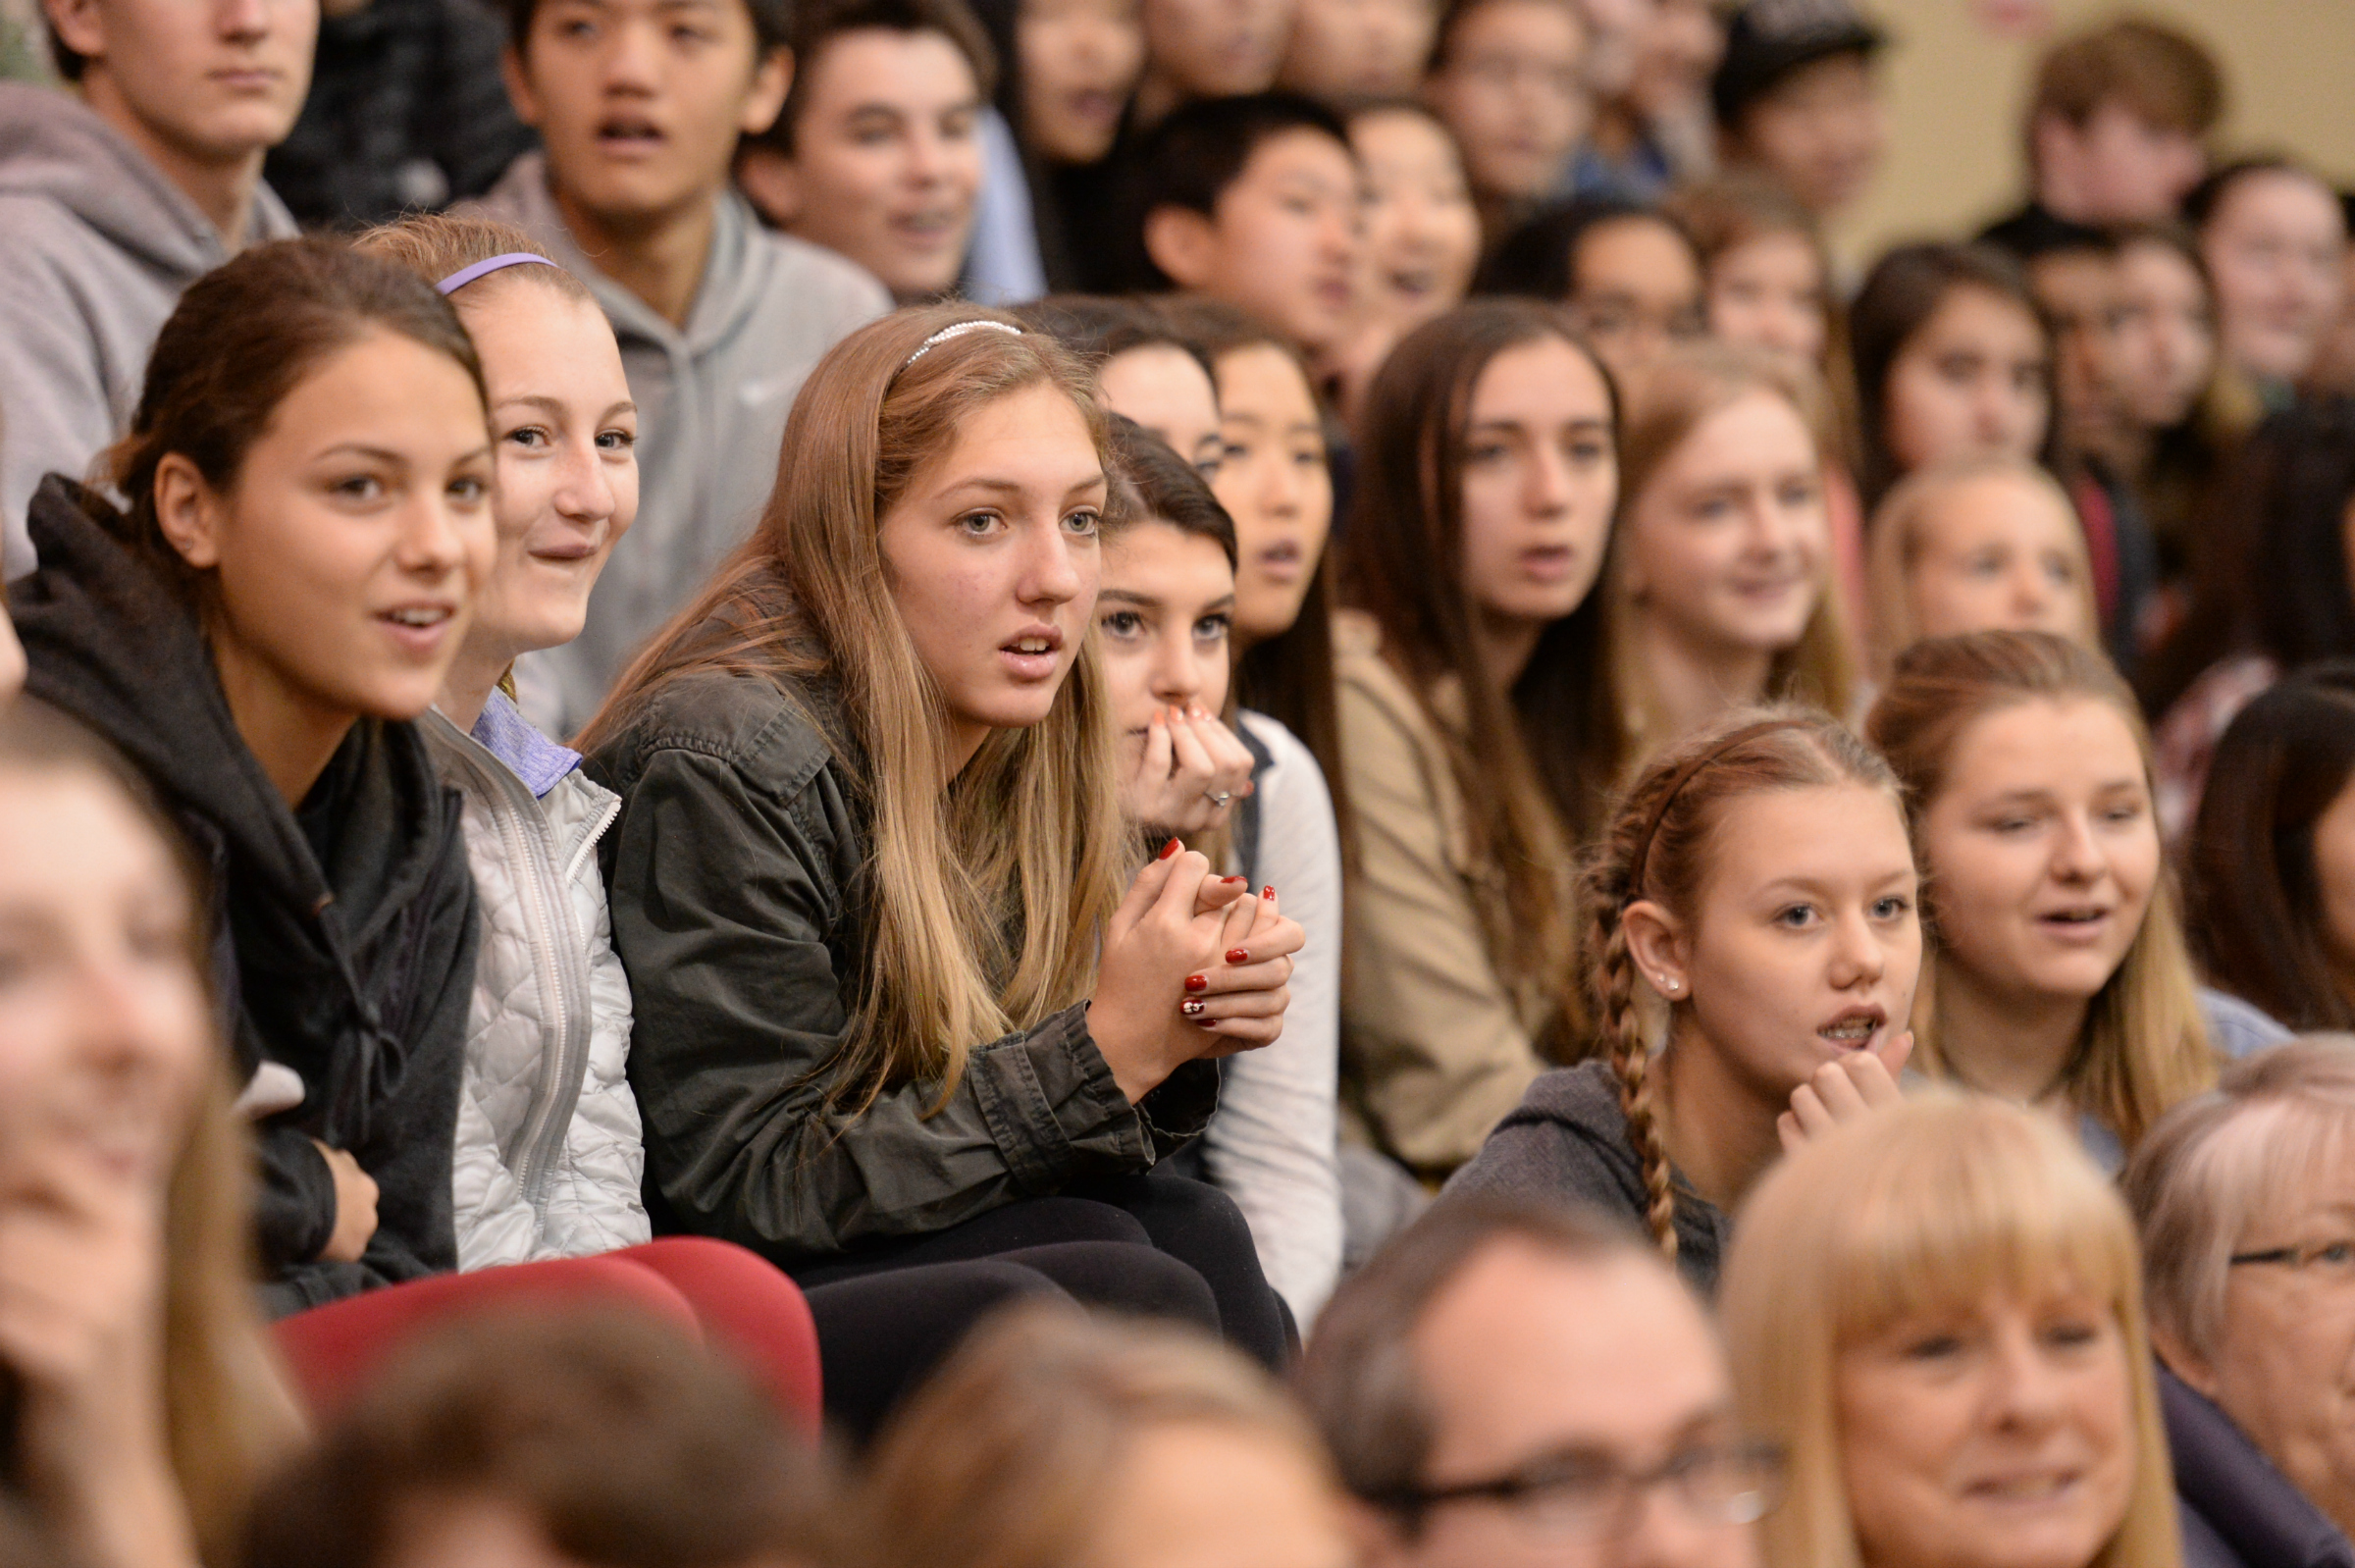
344	934
1567	1141
2236	1509
740	909
405	110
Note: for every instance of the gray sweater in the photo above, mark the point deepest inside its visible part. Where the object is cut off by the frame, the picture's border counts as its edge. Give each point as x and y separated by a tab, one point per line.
711	403
1567	1140
95	246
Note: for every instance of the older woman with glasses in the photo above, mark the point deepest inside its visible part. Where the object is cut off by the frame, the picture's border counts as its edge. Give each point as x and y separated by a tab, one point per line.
2246	1200
1937	1309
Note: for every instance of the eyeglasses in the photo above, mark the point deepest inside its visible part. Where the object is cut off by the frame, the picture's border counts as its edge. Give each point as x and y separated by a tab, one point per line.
1586	1495
2323	1260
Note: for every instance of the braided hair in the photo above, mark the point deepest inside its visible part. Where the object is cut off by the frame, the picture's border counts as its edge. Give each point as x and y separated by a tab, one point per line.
1655	848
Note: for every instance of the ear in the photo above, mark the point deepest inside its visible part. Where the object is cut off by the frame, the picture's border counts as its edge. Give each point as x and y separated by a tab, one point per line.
1659	944
518	81
772	79
1182	243
2180	1359
771	181
188	511
79	26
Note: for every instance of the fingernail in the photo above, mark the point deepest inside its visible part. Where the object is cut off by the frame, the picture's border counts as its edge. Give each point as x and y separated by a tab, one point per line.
1239	955
1197	982
1169	849
1267	892
1235	879
1191	1007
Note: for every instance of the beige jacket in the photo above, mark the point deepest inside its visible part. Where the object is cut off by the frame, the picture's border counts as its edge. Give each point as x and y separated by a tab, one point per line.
1436	1047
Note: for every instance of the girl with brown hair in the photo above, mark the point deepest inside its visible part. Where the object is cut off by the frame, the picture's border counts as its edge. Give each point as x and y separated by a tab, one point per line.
1751	944
892	1007
308	479
141	1405
2059	978
1720	583
1475	740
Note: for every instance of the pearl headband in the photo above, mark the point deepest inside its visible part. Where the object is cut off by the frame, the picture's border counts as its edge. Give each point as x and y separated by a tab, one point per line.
958	330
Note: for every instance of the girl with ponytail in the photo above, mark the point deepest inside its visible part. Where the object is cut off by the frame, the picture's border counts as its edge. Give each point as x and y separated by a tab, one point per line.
1751	940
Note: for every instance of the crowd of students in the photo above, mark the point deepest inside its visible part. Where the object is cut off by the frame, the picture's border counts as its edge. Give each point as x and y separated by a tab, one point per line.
1255	784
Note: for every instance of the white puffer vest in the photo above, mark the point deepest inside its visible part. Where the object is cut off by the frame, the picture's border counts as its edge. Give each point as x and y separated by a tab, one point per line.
549	1151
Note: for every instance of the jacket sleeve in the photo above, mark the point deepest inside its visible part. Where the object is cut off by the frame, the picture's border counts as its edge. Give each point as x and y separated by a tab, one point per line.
1273	1146
295	1210
724	894
1437	1050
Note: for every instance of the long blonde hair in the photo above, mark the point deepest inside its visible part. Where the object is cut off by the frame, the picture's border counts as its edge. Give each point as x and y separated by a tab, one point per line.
1936	1202
2144	1046
1657	847
1661	408
988	896
227	1414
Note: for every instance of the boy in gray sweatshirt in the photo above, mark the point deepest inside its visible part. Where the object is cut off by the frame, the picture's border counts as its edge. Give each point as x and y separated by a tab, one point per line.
118	195
638	104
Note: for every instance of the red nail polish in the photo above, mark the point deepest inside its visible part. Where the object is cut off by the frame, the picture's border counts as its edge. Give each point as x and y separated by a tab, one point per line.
1169	849
1239	955
1234	879
1267	892
1191	1007
1197	982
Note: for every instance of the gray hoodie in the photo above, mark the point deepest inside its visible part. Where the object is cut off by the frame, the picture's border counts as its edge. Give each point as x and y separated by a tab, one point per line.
1567	1142
95	246
711	404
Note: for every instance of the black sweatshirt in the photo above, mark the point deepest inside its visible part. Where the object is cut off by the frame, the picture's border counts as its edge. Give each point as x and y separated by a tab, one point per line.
343	936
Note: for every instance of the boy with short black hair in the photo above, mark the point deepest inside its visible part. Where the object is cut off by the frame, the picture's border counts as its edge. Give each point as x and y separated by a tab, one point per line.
1255	201
113	203
877	155
1797	100
639	105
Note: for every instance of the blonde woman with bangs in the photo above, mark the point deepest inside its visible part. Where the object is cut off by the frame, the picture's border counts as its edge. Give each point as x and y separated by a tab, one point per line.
1720	582
892	1005
2058	974
1936	1309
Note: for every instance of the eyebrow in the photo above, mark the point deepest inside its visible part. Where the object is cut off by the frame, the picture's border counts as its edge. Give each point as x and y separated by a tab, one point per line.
1009	486
1583	423
381	455
556	406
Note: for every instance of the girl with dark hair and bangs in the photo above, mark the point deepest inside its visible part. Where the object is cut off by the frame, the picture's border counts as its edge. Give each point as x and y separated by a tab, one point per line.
1478	731
308	477
1249	796
893	1006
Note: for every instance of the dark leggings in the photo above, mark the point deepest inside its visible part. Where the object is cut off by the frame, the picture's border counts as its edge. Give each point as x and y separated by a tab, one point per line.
1153	1245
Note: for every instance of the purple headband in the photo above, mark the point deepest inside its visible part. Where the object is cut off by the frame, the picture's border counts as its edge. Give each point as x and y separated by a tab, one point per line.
483	269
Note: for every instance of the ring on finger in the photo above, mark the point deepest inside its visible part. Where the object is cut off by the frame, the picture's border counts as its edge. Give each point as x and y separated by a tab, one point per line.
1218	797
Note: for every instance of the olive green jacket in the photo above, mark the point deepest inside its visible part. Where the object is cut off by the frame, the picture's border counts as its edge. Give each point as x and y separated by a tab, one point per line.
736	875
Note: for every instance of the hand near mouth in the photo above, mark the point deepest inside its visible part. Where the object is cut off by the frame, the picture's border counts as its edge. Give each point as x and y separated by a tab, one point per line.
1844	1088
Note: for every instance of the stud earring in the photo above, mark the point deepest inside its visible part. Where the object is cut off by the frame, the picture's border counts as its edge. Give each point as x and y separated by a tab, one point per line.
1669	985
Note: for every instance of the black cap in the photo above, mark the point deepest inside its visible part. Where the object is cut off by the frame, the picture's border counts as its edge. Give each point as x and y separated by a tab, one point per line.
1768	40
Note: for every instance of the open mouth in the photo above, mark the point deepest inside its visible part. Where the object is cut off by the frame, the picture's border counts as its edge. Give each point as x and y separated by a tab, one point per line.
1415	282
628	133
1548	562
2076	920
2043	1486
931	229
1854	1028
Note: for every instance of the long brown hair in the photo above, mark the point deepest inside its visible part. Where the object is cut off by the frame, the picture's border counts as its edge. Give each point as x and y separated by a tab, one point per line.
227	1414
989	896
1673	397
2144	1046
1534	763
2255	892
1658	848
242	338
